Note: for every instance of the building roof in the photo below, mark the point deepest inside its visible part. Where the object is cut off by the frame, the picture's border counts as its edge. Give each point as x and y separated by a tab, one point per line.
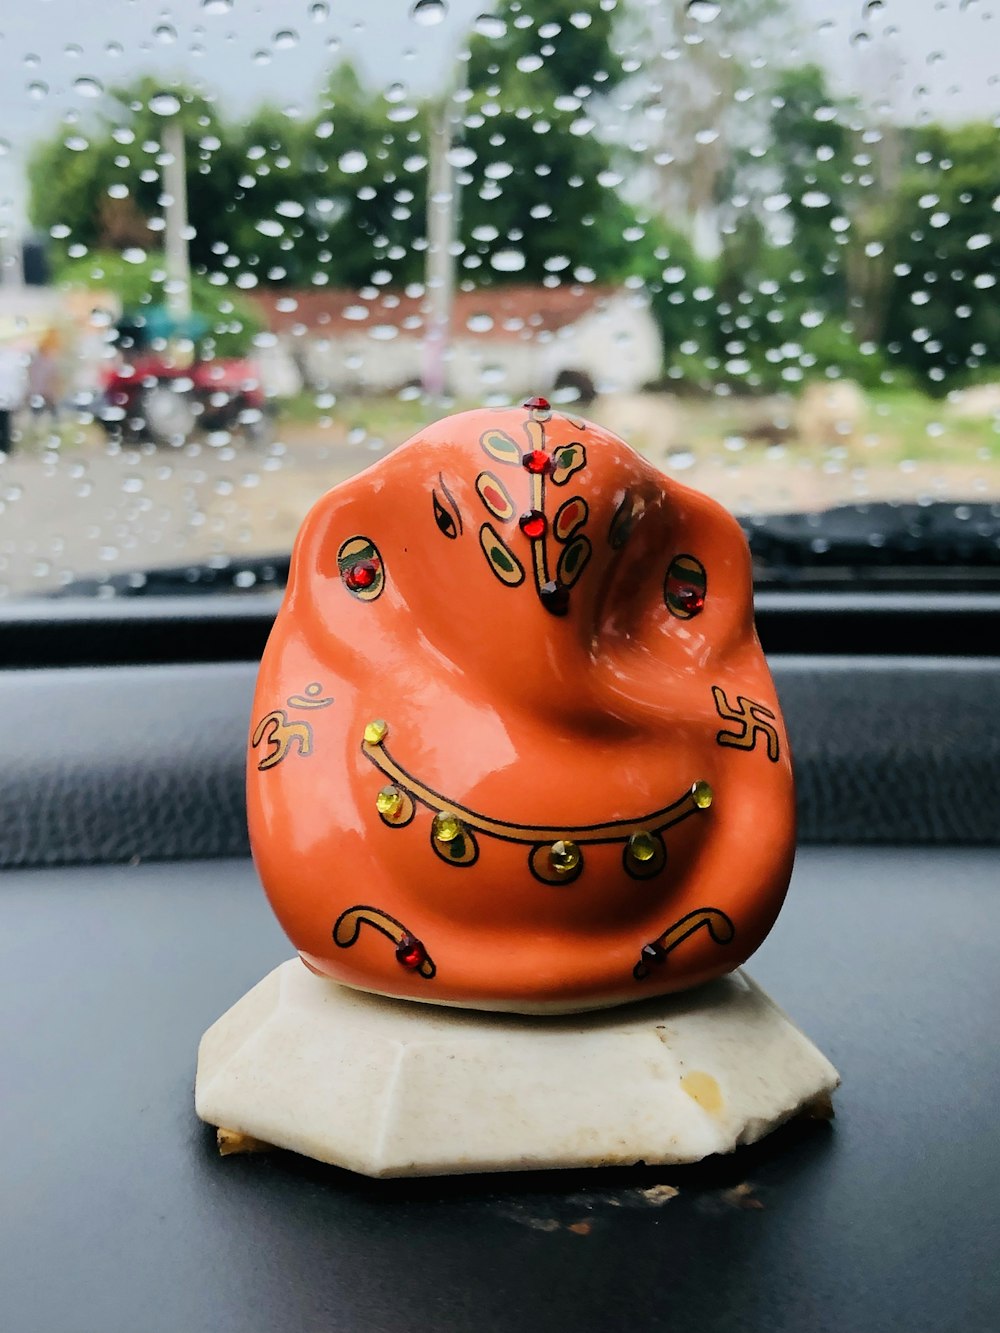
508	313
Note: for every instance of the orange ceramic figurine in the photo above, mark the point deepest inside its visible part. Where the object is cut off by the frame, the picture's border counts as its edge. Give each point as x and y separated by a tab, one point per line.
514	744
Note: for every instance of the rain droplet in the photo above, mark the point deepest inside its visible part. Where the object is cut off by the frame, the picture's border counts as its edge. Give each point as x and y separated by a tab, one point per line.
815	199
706	136
38	90
979	241
88	87
428	13
216	6
285	38
529	63
165	34
774	203
164	104
507	261
490	25
460	156
319	12
352	162
269	227
703	11
289	208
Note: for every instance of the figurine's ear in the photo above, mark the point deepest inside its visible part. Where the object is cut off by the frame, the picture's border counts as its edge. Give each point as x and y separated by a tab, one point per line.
682	589
338	580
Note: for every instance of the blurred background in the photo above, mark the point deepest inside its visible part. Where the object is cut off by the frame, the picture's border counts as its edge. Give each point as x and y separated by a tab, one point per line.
247	248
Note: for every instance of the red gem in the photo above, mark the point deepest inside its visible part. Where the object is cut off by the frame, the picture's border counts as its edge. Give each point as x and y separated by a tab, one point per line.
554	598
362	575
538	404
692	599
533	524
410	953
538	462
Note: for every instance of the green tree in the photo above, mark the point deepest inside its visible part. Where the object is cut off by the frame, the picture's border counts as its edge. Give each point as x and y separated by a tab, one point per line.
539	196
944	317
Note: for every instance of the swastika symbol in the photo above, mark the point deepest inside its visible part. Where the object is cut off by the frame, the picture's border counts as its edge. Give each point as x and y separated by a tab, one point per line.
755	720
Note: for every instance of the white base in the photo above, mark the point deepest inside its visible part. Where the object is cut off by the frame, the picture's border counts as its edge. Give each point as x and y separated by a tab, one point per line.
388	1088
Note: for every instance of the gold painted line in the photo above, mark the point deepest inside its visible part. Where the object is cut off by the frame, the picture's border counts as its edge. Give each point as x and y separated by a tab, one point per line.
614	831
539	550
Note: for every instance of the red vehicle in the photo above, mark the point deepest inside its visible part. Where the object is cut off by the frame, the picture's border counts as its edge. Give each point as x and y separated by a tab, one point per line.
152	398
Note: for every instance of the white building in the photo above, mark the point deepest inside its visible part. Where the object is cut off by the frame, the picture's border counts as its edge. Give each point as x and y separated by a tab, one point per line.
514	340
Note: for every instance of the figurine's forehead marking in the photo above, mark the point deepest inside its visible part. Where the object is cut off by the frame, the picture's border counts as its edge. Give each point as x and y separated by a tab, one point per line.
495	496
542	466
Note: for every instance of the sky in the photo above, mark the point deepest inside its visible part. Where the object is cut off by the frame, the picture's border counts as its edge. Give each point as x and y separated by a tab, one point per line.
939	57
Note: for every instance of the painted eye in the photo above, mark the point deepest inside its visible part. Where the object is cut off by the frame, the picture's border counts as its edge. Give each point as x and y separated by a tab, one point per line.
445	521
361	570
685	587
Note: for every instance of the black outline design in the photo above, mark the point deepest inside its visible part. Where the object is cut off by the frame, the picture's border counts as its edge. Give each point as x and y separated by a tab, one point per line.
554	876
755	720
683	613
514	461
279	732
397	823
344	564
637	869
381	921
568	580
624	519
536	837
657	951
494	480
466	835
312	690
508	583
561	472
581	522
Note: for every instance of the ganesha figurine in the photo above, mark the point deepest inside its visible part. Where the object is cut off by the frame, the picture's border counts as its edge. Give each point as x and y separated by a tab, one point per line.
516	755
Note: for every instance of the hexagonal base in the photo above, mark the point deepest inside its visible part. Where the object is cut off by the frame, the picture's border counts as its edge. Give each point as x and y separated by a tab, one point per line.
388	1088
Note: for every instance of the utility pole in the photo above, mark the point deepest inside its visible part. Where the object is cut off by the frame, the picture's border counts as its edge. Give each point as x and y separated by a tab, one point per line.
442	210
175	219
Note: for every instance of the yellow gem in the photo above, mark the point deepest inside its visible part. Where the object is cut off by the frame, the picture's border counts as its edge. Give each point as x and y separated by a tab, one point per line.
446	828
642	846
564	856
375	732
701	794
389	802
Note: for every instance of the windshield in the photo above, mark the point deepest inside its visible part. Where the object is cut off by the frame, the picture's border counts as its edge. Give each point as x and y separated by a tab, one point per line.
246	251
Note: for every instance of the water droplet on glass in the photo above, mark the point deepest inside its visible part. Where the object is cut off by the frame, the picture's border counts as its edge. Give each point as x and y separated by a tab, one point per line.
38	90
527	64
706	136
216	6
352	162
703	11
88	87
507	261
269	227
319	11
285	38
460	156
774	203
490	25
815	199
978	242
428	13
165	34
164	104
